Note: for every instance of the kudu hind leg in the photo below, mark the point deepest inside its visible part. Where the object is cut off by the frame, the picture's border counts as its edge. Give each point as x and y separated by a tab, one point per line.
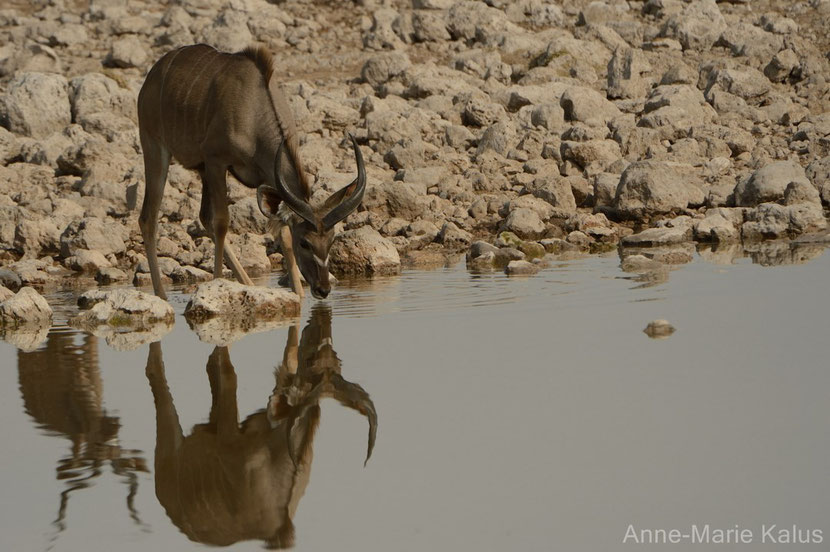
215	218
156	164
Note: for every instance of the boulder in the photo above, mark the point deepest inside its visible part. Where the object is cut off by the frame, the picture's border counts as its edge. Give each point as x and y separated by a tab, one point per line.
781	66
697	27
715	228
127	51
36	104
525	223
110	275
87	261
363	251
26	308
252	254
588	106
769	183
774	221
653	187
421	233
95	93
103	235
555	190
624	74
592	156
454	237
381	68
228	31
674	110
479	248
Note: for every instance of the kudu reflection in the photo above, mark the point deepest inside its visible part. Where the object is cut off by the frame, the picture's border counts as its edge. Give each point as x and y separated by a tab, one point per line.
229	481
62	390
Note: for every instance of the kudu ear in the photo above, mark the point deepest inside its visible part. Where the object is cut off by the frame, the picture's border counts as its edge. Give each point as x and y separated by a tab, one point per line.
344	201
268	199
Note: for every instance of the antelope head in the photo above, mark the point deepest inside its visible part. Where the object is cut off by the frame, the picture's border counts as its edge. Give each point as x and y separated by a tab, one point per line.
312	226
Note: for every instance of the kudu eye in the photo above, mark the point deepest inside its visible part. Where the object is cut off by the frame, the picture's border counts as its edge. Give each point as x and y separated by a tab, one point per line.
305	245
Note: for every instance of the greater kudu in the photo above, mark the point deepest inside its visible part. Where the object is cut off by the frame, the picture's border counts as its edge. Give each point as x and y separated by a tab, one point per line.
214	112
227	482
62	391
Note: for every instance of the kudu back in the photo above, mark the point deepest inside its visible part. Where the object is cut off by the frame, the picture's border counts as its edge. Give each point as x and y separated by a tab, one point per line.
216	112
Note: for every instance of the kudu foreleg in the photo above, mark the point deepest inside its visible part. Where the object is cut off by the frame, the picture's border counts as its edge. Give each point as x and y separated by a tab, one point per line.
215	218
224	413
293	269
156	163
168	429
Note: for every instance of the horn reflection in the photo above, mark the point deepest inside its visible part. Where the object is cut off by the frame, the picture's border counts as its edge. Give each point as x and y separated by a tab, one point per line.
228	481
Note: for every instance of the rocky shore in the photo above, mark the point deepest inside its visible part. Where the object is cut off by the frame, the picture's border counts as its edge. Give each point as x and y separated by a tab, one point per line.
511	131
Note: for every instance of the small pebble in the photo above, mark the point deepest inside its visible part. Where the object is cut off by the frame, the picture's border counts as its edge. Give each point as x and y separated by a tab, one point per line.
659	329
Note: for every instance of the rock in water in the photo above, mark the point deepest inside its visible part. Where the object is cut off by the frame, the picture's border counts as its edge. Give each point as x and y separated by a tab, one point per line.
122	308
27	308
515	268
233	300
126	318
223	311
659	329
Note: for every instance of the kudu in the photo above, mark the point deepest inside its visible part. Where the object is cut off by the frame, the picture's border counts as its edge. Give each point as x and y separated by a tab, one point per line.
62	391
215	112
229	481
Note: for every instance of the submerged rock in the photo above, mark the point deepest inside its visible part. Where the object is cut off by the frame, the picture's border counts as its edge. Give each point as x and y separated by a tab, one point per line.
640	264
659	329
516	268
27	308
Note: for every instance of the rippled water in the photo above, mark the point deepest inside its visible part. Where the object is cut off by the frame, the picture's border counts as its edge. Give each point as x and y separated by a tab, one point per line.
512	413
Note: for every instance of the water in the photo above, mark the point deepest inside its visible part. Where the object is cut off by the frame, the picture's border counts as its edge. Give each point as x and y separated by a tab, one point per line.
513	413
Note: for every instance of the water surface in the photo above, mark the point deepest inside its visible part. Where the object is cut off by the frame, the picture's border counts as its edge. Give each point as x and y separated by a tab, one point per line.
513	413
